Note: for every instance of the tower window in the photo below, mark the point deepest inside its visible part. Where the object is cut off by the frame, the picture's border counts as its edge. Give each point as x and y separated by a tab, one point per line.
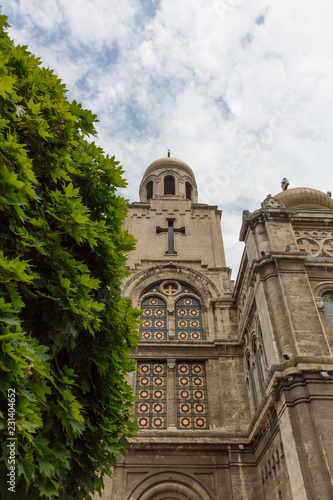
328	304
188	189
169	184
149	189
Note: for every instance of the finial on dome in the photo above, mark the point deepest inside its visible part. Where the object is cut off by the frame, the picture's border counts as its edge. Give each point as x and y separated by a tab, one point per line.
284	184
168	153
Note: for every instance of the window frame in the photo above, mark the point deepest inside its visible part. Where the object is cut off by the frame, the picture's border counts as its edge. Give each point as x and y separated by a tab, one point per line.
169	189
328	307
188	190
184	290
150	190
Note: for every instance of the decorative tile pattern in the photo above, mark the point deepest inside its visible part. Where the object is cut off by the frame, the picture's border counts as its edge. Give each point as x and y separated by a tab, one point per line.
192	407
151	392
188	319
154	325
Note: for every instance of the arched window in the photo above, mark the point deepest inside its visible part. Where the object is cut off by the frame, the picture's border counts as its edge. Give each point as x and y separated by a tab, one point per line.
149	189
328	304
154	325
188	319
257	358
252	384
263	347
169	184
188	189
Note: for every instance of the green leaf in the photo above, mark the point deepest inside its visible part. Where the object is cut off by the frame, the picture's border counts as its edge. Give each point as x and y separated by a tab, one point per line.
34	107
10	178
6	85
45	467
47	490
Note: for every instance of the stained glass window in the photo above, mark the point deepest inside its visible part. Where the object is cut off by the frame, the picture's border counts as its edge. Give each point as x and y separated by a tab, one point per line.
154	325
188	319
151	392
192	407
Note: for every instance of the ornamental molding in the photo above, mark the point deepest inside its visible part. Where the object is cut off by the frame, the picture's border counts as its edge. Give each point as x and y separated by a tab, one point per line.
271	202
315	243
142	279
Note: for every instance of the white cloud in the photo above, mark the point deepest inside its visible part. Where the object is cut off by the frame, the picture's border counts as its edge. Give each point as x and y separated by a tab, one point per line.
239	90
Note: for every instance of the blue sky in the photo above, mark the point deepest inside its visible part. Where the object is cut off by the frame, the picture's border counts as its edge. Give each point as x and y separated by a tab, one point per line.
240	90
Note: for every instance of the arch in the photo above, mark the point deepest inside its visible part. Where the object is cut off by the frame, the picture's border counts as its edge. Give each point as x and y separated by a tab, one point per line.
169	184
164	492
149	190
188	190
321	288
135	284
166	485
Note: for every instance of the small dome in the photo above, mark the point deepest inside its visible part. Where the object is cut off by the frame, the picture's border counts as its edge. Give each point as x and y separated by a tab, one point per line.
304	198
168	178
168	162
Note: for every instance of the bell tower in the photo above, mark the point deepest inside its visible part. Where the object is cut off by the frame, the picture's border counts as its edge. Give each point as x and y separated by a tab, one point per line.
180	281
171	227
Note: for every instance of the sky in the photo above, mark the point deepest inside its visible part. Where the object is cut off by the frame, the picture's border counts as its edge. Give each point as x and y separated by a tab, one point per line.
241	90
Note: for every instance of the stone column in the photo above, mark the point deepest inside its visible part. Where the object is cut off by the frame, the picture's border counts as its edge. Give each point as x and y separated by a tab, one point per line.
171	395
171	322
306	456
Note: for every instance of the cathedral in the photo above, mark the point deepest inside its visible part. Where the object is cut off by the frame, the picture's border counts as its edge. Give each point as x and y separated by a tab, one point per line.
234	380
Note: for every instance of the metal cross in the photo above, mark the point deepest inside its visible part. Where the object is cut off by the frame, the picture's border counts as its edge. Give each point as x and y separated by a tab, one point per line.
170	288
171	235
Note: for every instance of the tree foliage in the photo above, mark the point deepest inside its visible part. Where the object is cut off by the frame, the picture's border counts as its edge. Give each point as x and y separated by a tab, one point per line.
65	331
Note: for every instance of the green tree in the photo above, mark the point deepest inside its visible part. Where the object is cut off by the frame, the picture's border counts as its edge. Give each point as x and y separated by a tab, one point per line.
65	330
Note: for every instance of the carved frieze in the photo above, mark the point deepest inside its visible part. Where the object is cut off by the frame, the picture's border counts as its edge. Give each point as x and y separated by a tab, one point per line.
315	243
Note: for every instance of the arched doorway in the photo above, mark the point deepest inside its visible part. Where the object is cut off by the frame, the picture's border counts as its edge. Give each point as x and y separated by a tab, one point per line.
170	491
170	486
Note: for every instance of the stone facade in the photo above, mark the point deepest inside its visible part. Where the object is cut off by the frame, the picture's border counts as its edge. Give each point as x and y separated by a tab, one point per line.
234	382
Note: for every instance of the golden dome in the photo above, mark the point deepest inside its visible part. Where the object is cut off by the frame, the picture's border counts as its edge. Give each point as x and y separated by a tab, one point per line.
168	162
304	198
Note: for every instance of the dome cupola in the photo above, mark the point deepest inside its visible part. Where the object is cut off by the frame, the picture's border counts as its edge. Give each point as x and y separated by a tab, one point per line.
302	197
168	178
